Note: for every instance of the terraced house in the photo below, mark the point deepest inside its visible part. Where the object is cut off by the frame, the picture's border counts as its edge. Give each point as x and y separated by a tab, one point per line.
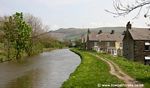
136	44
109	42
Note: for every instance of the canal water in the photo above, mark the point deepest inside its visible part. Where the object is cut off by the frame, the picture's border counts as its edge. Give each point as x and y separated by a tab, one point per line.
47	70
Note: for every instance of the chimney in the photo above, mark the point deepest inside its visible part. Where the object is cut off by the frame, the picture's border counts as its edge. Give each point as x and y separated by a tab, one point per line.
112	32
123	32
128	26
100	31
88	31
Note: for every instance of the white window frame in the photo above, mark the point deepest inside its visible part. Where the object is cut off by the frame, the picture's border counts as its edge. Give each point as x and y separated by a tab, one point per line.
148	45
147	57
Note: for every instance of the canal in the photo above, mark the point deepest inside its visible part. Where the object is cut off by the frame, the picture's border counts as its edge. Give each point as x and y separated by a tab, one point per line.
46	70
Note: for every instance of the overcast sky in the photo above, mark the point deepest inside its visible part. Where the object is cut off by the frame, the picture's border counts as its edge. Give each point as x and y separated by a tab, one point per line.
70	13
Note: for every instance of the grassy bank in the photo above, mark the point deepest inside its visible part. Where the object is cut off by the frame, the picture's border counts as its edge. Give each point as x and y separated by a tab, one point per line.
90	73
138	71
37	48
3	56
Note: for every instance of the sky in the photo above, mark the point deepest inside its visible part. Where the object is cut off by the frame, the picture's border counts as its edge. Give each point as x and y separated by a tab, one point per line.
71	13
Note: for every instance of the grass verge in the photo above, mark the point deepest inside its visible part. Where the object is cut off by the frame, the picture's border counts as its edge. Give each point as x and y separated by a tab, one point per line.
136	70
90	73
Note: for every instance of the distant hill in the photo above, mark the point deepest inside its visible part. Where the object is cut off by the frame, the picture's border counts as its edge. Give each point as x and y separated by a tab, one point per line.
57	35
76	33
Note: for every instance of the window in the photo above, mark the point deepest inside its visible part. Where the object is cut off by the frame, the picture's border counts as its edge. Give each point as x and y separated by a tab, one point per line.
112	44
108	43
147	46
95	43
121	44
147	60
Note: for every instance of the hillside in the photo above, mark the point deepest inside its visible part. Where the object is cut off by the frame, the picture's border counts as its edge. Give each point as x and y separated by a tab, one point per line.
75	33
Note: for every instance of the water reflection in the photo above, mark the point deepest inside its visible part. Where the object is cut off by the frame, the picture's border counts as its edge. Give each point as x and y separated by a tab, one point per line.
25	81
47	70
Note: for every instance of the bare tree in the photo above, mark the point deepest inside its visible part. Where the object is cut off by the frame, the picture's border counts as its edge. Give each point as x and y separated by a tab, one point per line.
124	7
35	23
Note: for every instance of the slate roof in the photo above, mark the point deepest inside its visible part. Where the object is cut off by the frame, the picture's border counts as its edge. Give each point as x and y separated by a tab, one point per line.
105	36
93	36
110	37
140	34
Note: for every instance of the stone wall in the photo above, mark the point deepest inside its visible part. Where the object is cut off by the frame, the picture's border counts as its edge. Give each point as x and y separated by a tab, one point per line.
128	46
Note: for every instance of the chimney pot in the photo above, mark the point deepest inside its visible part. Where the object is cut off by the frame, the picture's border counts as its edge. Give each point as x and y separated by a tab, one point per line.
112	32
100	31
128	26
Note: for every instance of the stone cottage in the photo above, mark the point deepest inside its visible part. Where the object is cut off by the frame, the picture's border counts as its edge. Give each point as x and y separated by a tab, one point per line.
136	44
109	42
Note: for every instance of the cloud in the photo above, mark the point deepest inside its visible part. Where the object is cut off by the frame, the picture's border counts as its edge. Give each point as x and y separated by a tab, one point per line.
69	13
51	3
94	24
54	27
2	10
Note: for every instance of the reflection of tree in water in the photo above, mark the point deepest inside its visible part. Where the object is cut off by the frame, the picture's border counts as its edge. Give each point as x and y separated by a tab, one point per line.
26	81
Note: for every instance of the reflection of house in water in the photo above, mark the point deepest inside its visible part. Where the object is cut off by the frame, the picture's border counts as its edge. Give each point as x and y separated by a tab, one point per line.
104	42
136	44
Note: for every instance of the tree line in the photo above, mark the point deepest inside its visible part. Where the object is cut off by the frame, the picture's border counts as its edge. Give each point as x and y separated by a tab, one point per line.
24	35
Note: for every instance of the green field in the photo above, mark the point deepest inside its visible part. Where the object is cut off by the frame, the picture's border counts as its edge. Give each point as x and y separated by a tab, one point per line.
90	73
136	70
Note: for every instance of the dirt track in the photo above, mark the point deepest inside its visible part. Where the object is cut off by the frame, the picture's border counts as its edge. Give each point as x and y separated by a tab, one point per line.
116	71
